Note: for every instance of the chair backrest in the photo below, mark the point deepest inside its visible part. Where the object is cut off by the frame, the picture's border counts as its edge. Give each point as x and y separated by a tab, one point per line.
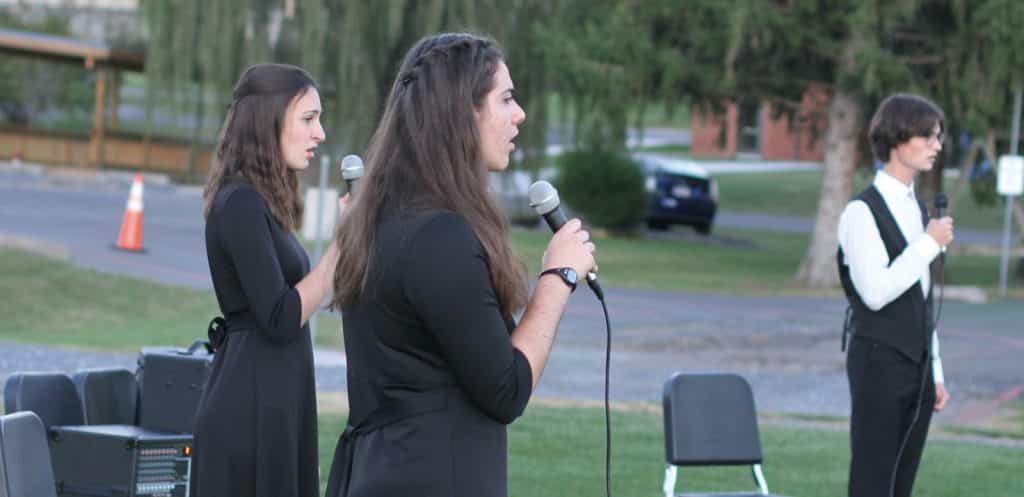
710	420
51	396
25	469
109	395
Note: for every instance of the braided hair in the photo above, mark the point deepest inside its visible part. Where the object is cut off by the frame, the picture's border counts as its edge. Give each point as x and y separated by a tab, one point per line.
425	155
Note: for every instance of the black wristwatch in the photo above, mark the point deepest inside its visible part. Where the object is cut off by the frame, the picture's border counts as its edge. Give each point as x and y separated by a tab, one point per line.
567	274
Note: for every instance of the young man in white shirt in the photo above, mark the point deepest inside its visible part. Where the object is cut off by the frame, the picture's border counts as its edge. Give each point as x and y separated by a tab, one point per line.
886	247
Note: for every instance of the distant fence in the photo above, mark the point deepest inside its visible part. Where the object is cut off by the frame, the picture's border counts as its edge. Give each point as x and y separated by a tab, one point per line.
119	150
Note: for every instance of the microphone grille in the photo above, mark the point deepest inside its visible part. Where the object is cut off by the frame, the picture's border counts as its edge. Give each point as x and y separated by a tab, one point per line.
351	167
543	197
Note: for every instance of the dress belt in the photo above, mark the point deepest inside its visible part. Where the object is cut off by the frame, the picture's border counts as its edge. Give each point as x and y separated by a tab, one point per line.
217	331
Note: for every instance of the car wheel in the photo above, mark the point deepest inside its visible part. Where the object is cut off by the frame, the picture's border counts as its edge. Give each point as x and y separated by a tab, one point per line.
703	228
657	225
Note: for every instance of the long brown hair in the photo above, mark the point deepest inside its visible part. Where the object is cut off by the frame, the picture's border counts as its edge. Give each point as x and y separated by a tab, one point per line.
250	140
425	155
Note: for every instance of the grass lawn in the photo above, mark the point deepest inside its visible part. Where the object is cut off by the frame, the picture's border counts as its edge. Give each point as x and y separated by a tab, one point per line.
559	451
52	302
796	193
735	261
1009	423
674	150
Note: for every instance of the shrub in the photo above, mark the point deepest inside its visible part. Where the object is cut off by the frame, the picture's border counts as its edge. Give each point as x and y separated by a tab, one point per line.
606	188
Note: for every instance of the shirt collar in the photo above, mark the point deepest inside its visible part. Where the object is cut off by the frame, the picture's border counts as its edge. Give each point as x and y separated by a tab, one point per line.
892	188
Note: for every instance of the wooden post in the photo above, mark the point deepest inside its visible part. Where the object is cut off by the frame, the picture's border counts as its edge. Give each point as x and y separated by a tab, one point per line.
96	135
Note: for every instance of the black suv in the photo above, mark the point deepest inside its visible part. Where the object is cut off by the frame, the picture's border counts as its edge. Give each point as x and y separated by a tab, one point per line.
681	192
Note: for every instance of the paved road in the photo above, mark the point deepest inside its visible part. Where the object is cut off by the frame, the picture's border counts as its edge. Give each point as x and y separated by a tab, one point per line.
86	218
786	346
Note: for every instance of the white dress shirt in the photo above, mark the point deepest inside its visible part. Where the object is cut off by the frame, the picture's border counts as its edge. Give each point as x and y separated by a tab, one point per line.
877	282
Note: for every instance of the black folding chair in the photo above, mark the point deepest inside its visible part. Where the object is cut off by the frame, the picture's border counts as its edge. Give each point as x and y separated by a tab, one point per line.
25	469
51	396
109	395
710	420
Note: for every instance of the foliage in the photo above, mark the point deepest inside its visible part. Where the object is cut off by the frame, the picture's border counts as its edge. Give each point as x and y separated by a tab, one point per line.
42	92
352	47
604	186
603	67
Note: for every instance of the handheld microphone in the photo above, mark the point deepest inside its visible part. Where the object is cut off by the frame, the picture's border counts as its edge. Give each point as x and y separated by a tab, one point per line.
544	199
351	170
941	204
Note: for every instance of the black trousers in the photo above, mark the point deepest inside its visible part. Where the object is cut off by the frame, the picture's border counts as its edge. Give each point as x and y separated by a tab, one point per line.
885	390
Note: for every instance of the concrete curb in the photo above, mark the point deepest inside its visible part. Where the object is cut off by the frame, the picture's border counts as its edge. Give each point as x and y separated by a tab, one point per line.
82	176
38	247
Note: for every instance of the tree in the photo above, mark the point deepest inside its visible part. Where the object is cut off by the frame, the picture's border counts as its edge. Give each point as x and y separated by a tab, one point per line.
352	47
196	50
32	91
603	68
984	63
855	52
360	57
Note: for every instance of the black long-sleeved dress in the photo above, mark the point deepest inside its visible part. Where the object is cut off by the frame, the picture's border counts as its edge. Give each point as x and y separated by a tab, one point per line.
432	375
255	429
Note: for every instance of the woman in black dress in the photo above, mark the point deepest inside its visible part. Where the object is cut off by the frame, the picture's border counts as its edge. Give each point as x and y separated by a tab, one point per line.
255	429
428	283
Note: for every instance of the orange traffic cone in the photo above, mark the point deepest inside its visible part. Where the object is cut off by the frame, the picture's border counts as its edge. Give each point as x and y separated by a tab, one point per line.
130	237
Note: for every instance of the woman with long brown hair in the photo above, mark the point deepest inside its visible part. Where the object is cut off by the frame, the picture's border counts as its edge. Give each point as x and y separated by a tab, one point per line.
428	283
255	429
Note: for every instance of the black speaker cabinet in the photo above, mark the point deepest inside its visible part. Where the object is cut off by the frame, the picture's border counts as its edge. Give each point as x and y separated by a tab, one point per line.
120	461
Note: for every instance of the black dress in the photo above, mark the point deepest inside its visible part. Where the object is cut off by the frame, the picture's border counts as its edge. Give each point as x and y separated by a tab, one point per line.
255	429
432	375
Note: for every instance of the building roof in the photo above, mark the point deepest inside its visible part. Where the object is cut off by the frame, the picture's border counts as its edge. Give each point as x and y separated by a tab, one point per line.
66	49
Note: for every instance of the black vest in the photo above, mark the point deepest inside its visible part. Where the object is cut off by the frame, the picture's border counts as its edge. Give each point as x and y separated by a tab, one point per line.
905	323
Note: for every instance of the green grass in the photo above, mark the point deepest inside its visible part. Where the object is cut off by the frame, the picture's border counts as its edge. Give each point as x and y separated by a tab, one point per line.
682	265
796	193
55	303
559	451
1008	424
674	149
747	263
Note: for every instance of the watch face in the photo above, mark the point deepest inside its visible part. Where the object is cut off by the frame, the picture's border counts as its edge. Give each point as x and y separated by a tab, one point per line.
570	275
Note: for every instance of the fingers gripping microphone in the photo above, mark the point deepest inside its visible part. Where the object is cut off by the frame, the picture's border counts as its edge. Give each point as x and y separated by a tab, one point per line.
941	204
544	199
351	170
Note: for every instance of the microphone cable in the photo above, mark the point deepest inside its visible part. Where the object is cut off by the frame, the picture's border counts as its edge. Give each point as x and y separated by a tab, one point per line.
607	403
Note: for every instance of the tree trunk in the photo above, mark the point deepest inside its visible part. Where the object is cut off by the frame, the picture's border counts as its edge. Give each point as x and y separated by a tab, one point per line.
818	269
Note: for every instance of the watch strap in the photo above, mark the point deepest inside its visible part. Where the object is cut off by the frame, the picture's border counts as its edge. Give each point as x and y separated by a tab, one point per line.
562	273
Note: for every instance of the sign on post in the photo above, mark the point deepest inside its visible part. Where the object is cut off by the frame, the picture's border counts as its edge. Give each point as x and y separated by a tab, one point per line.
1011	175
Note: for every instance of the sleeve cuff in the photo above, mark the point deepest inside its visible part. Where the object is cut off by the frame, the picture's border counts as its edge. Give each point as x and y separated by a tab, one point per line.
927	247
936	359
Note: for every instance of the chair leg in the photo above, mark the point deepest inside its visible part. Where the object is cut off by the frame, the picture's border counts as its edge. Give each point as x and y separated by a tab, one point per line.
759	478
668	487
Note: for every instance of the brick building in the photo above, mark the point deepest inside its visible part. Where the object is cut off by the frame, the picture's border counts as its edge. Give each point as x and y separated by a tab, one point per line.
751	132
